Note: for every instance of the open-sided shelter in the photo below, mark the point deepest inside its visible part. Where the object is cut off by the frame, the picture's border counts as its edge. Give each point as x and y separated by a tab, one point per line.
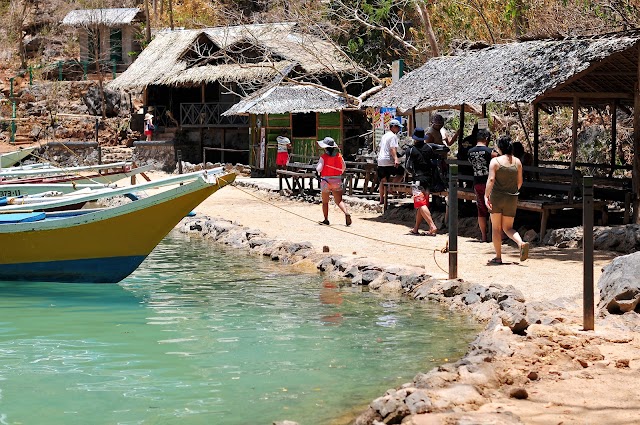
583	71
307	113
191	77
111	33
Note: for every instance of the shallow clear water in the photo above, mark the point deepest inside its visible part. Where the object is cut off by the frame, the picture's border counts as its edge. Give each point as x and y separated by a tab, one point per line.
203	335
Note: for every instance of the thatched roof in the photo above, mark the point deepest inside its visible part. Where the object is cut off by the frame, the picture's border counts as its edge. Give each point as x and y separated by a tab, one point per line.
108	17
181	57
518	72
288	97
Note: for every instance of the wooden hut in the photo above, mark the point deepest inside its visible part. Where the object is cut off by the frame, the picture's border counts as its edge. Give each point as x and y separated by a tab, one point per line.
112	33
594	71
191	77
307	113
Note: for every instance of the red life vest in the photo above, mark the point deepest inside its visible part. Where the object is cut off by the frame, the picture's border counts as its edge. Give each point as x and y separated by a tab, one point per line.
332	165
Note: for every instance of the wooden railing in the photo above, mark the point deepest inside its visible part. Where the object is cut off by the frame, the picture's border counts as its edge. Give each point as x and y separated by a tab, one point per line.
209	115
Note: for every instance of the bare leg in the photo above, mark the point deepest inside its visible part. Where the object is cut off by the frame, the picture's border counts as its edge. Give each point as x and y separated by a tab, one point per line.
337	197
416	228
507	226
482	224
496	233
426	214
382	190
325	204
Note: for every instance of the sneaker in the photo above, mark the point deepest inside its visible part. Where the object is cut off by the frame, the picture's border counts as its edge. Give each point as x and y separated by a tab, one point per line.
524	251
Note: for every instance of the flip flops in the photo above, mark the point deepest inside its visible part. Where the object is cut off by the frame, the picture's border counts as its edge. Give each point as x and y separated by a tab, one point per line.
347	219
524	251
494	262
412	233
324	222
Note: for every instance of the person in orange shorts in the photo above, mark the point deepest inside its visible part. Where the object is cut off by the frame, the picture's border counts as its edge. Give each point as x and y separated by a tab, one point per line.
423	159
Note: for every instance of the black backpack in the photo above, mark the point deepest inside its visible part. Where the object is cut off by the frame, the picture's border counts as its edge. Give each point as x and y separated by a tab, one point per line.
409	166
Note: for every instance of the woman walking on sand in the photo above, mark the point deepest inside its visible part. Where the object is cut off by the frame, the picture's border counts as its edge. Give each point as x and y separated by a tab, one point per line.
501	197
330	167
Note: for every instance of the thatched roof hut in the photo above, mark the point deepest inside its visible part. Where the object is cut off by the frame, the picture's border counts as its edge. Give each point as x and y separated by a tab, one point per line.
108	17
529	71
293	98
230	54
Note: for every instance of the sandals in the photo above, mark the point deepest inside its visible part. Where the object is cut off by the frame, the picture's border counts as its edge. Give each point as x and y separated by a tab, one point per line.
494	262
347	218
412	233
324	222
524	251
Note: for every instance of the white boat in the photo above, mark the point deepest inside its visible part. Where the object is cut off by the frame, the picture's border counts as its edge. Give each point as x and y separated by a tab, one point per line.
56	201
11	158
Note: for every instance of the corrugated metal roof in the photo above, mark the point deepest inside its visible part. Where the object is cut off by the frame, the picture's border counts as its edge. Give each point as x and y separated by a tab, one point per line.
290	98
514	72
108	17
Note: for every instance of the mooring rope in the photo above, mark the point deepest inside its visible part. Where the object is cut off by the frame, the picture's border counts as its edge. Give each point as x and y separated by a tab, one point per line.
442	250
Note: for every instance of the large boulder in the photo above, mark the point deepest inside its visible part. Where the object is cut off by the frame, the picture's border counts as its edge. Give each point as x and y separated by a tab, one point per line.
620	285
116	103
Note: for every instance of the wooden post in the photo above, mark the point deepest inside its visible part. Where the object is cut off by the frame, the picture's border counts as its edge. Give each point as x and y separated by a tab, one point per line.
453	221
536	134
614	136
636	145
587	253
574	133
461	131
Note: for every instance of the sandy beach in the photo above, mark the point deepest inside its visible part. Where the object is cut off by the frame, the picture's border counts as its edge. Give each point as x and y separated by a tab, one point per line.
600	389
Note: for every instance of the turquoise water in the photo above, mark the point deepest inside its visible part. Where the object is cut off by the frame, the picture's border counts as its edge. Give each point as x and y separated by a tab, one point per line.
203	335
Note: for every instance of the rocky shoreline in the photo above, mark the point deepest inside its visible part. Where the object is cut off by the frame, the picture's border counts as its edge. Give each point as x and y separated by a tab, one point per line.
522	344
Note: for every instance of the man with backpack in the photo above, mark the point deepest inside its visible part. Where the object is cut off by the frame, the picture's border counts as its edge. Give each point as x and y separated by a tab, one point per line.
421	162
480	158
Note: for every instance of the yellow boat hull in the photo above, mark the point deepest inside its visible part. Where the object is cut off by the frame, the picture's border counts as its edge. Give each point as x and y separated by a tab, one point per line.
103	246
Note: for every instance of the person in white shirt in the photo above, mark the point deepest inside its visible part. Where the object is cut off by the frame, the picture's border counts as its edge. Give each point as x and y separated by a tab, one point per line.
389	168
284	146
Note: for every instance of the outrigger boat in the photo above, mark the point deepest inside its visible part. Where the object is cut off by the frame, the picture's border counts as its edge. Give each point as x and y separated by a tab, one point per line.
96	245
26	186
11	158
57	201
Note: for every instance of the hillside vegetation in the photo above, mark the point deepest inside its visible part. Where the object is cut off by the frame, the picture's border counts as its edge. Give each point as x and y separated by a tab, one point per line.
372	32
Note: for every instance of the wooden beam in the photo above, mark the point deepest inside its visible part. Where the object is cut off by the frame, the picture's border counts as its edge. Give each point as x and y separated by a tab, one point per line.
586	95
636	145
461	131
614	135
574	137
536	133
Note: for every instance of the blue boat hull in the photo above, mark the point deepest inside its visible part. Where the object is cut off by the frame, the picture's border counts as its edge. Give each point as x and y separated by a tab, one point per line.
101	270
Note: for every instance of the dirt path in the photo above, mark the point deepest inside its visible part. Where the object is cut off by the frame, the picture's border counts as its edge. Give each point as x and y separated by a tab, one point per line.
549	272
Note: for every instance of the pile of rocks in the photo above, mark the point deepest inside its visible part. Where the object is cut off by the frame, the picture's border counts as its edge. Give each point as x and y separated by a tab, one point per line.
625	238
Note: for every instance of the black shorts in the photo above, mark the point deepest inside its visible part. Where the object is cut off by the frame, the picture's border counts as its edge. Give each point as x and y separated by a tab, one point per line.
389	171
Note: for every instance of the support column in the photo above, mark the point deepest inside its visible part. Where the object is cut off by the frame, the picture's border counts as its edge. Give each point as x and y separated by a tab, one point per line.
636	144
536	134
461	131
614	136
574	133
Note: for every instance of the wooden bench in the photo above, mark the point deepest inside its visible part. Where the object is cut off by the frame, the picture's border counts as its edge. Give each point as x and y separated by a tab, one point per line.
565	188
297	180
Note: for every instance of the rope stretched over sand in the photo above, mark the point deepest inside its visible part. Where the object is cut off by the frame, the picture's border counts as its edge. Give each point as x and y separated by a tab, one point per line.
442	250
